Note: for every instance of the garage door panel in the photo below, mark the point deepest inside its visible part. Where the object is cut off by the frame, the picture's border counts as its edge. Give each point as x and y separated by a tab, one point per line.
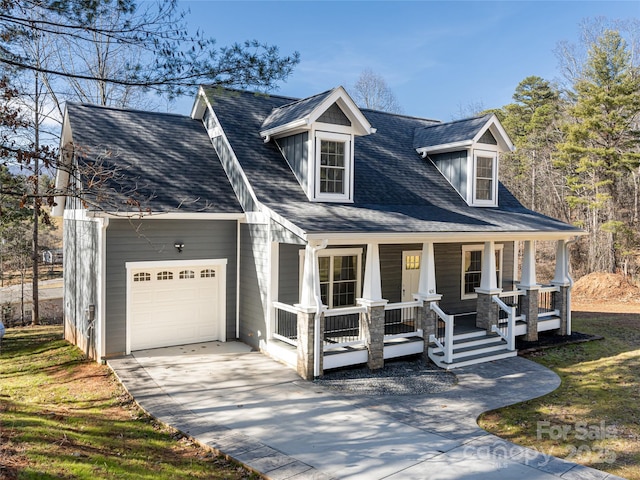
174	311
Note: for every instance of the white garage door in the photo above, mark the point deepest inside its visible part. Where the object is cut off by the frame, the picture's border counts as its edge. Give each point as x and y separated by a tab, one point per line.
175	303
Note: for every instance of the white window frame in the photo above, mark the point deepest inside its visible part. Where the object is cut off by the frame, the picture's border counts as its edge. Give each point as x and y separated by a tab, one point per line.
347	139
485	152
336	252
480	248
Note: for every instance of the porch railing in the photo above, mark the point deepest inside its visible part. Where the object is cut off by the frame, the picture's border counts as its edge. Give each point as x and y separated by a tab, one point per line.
286	325
400	319
506	322
443	337
546	301
342	327
512	298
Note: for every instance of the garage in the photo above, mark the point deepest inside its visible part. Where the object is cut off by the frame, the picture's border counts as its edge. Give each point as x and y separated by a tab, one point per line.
175	303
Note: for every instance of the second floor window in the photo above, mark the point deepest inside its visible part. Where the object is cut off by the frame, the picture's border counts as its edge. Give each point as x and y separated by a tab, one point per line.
485	178
332	166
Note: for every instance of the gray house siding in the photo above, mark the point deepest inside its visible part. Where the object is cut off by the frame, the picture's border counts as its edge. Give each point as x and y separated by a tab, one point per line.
81	267
281	234
153	240
453	166
289	273
233	171
391	270
448	258
296	151
254	281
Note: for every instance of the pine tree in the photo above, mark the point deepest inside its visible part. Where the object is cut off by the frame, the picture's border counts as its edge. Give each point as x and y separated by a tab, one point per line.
600	153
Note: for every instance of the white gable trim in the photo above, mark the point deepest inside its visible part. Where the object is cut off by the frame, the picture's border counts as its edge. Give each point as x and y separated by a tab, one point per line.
359	123
219	131
62	172
446	147
493	124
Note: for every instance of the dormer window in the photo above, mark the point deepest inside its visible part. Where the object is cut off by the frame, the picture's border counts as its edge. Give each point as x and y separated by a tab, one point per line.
333	166
485	177
316	137
466	153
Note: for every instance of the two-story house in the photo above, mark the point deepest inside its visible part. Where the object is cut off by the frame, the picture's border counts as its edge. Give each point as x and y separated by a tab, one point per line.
323	234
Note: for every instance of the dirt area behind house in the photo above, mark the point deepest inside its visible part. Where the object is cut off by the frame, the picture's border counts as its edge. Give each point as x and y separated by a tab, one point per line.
605	292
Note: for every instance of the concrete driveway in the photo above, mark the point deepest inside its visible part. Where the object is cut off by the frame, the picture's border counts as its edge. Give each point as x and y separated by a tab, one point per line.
262	414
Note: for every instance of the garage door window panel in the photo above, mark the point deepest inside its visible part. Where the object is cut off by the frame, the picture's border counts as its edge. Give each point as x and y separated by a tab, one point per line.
165	275
184	274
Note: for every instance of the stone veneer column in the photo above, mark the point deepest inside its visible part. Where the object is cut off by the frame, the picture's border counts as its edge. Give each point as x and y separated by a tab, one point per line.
561	303
373	334
487	315
427	321
305	350
529	308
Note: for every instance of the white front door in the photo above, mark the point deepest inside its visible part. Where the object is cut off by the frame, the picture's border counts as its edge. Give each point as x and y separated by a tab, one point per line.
410	274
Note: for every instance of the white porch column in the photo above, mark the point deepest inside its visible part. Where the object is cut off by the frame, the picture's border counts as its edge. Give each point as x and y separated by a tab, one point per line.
427	290
528	278
310	278
488	280
487	309
372	285
309	350
562	277
530	302
562	280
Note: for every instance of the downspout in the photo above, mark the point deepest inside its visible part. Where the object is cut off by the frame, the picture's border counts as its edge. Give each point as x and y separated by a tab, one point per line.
102	306
317	340
567	256
237	279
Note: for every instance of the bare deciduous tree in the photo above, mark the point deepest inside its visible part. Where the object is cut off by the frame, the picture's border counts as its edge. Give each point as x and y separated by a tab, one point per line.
371	91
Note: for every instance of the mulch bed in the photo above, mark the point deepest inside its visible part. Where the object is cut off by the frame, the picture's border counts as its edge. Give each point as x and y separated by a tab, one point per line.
548	340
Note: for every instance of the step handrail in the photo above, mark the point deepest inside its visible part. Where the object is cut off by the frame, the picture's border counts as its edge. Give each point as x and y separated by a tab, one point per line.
447	348
510	338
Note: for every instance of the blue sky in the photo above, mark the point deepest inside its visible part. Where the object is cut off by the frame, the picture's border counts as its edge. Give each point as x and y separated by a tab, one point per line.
437	57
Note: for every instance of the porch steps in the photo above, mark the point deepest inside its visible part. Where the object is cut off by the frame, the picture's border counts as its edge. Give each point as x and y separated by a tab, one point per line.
472	348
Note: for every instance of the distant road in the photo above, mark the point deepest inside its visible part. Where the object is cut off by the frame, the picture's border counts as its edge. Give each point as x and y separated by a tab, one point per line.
49	290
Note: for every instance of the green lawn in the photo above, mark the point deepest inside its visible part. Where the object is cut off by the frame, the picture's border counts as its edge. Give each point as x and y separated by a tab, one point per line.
594	417
64	417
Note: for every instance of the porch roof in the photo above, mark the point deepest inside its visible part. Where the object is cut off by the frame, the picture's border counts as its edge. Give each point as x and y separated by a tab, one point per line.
395	189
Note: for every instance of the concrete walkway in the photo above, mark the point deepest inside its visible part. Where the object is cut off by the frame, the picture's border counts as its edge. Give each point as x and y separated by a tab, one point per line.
262	414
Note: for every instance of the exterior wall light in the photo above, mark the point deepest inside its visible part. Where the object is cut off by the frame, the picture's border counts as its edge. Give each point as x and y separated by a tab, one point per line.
179	246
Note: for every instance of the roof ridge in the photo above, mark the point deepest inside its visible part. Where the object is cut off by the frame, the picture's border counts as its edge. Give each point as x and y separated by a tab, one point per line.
459	120
255	92
403	115
305	98
122	109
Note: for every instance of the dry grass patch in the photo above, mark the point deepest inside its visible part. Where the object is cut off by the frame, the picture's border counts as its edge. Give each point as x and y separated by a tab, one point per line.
64	417
593	417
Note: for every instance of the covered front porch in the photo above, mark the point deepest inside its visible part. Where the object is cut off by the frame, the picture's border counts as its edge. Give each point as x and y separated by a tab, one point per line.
312	336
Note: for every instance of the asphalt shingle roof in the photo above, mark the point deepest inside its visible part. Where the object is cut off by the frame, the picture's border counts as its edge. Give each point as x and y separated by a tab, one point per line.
293	111
395	189
450	132
167	160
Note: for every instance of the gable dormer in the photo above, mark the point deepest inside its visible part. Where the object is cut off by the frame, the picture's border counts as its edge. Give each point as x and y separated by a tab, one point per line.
316	136
467	154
